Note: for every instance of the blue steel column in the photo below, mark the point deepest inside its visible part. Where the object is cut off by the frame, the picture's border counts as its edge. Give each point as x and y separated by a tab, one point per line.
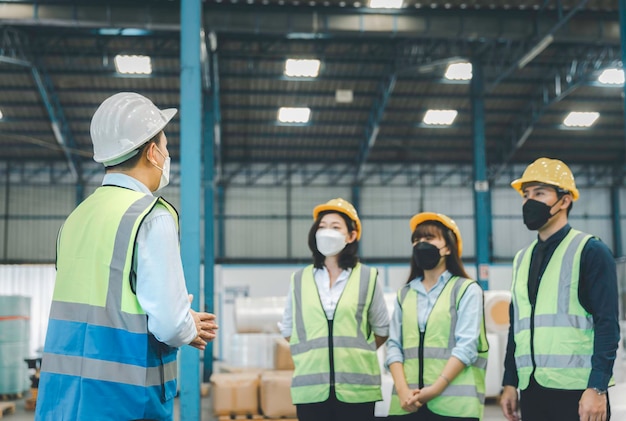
482	208
210	99
617	220
190	176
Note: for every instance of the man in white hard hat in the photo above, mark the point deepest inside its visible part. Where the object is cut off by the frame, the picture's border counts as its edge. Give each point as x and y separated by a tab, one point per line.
120	308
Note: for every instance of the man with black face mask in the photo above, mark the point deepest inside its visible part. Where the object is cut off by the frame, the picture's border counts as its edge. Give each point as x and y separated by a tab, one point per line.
564	311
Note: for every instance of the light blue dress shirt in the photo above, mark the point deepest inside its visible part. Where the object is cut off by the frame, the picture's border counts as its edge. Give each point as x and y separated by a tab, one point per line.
470	317
377	316
161	288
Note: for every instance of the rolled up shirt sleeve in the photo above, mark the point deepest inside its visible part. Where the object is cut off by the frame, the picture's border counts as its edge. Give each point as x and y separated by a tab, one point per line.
394	343
161	288
378	315
467	331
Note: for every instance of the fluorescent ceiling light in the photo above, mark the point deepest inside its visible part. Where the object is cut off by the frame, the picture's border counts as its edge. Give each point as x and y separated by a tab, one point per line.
1	115
459	71
141	65
302	68
612	77
580	119
386	4
294	115
440	117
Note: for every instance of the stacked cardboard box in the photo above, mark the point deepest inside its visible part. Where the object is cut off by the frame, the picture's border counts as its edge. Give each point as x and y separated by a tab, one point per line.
275	395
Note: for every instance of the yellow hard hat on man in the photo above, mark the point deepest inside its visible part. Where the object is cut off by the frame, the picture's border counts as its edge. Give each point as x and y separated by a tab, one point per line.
552	172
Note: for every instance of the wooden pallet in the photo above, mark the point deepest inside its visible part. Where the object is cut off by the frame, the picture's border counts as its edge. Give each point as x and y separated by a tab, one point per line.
251	417
7	408
11	396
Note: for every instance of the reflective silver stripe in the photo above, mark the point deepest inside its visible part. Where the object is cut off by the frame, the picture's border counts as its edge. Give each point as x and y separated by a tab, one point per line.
357	378
555	361
565	277
297	305
438	353
123	240
563	320
453	311
108	371
318	343
412	352
454	390
481	362
340	377
59	310
518	264
310	379
363	288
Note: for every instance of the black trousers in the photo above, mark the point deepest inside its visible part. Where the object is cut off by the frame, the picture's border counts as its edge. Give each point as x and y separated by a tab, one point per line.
335	410
542	404
425	414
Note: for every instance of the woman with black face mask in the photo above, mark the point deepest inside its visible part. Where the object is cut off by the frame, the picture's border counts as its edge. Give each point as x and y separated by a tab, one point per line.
437	347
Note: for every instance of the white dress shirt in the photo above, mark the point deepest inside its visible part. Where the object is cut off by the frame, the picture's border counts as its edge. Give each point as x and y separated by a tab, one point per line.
161	288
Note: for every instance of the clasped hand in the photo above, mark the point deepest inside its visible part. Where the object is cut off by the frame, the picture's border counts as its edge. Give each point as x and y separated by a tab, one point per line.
205	327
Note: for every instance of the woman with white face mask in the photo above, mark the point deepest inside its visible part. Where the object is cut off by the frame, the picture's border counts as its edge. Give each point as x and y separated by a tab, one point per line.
335	318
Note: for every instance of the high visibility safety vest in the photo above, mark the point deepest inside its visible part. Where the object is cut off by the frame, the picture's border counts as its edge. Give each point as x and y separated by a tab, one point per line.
555	339
465	395
100	363
351	342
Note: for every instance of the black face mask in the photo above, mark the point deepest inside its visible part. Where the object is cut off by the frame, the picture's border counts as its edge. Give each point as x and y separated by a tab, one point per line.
426	255
536	214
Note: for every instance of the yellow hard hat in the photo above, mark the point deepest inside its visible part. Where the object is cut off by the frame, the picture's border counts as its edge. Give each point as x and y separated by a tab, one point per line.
445	220
342	206
548	171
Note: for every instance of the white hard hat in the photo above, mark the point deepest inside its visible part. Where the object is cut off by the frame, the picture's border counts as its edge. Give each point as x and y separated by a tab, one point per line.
124	122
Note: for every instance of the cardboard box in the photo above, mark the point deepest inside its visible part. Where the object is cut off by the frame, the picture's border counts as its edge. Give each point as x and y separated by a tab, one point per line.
282	355
276	395
235	393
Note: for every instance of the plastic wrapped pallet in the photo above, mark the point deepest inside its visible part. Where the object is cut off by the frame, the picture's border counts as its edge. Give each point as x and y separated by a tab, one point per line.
235	393
14	344
282	355
275	394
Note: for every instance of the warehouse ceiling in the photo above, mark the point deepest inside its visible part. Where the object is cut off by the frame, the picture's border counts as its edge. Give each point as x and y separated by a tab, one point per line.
534	61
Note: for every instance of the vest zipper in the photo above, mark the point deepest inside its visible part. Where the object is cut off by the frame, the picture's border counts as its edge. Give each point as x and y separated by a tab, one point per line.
331	358
421	359
532	339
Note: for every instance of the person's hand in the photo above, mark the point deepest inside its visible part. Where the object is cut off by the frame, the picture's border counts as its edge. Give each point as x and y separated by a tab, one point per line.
508	403
592	406
427	394
408	400
205	327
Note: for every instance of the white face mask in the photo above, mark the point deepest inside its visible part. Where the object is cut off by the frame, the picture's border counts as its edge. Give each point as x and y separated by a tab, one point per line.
165	171
330	242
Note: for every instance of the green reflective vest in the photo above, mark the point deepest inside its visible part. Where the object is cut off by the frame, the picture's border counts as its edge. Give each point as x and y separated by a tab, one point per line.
556	338
351	342
98	344
465	395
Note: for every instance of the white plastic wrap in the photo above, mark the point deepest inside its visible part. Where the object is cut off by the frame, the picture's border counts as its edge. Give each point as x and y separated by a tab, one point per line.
258	314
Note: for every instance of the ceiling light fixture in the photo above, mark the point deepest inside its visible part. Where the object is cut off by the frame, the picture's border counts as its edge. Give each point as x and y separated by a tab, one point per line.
137	65
386	4
302	68
440	117
459	71
294	114
612	77
580	119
